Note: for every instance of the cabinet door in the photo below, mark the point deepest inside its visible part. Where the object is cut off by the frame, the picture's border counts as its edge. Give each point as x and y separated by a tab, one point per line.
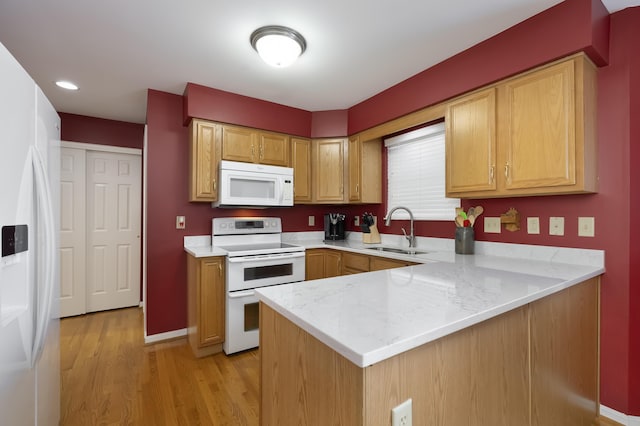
204	154
471	143
212	301
301	163
274	149
328	170
239	144
537	134
355	169
353	263
314	264
332	263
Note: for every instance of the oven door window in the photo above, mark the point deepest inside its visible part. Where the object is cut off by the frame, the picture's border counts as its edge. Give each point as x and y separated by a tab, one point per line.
251	316
271	271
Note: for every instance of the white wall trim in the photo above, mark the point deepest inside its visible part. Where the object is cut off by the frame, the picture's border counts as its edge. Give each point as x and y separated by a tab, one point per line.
155	338
616	416
102	148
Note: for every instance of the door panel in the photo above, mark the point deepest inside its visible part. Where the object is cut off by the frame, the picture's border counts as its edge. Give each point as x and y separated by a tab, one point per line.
72	232
113	230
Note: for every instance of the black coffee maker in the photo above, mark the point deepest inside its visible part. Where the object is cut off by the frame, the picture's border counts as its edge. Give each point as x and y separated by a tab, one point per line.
334	226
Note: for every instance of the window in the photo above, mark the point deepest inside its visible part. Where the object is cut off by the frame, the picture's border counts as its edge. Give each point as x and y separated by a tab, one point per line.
416	175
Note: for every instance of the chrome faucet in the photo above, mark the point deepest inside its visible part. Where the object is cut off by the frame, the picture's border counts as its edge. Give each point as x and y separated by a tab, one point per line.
411	237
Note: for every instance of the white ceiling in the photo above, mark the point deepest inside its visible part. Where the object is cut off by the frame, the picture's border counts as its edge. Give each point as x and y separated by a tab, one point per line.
115	50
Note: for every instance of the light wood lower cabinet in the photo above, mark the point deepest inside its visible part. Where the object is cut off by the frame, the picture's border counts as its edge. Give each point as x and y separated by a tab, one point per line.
377	263
322	263
354	263
536	365
205	304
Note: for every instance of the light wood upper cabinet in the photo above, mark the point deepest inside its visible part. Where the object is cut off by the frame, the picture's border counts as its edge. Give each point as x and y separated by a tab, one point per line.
544	142
538	128
471	143
273	148
206	304
328	167
301	163
204	156
254	146
238	144
365	170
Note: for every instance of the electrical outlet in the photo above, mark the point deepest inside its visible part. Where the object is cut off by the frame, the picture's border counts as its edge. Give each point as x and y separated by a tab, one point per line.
356	220
586	227
533	225
312	220
492	225
401	414
556	226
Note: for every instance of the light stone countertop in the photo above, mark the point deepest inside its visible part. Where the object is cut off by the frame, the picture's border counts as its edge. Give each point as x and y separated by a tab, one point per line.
372	316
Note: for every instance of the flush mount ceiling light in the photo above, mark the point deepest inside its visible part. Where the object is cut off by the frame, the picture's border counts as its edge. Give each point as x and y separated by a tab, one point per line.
278	46
66	85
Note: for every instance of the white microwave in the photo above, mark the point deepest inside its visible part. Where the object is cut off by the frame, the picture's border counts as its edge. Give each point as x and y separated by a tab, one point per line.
254	185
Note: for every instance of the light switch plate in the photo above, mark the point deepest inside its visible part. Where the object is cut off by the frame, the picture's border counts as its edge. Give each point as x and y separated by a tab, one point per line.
492	225
180	222
312	220
533	225
556	226
586	227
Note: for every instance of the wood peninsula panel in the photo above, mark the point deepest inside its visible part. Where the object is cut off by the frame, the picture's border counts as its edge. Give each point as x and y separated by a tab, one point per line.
477	376
307	383
534	365
564	364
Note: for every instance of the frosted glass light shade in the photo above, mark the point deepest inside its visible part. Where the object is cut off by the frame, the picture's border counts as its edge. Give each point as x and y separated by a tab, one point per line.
278	46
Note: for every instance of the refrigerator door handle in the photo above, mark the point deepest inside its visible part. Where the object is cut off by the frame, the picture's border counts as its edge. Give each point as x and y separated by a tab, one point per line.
45	291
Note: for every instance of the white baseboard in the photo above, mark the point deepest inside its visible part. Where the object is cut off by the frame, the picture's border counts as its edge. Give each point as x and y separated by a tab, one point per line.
621	418
155	338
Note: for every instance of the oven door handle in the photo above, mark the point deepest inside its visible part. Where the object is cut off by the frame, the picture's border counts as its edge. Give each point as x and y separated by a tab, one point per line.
282	256
240	294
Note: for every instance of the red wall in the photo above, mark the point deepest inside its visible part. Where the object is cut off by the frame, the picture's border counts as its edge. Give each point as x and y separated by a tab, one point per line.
554	33
80	128
571	26
218	105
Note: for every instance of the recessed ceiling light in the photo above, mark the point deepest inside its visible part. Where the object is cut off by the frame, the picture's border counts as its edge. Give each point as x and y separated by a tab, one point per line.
66	85
278	46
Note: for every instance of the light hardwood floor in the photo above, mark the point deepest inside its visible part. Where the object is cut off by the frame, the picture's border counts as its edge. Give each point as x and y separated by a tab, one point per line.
109	377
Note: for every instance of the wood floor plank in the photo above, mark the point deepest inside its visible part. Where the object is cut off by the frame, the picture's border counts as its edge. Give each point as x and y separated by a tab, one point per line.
109	377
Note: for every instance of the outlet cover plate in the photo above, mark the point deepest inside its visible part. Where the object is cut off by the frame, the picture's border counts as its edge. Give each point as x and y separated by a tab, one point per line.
401	414
586	227
492	225
533	225
556	226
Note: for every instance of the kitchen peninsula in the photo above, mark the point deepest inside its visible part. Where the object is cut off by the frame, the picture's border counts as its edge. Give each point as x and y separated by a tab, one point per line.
472	340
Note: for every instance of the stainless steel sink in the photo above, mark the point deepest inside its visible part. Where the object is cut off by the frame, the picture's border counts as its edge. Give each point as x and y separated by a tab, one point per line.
410	251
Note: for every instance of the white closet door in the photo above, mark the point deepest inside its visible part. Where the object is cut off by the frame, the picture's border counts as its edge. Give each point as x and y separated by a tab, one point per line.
113	230
73	300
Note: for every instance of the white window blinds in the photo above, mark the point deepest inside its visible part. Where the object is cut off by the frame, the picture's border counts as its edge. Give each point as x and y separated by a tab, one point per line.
416	175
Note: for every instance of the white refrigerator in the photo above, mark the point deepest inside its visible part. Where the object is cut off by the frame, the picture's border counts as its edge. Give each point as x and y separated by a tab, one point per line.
29	269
